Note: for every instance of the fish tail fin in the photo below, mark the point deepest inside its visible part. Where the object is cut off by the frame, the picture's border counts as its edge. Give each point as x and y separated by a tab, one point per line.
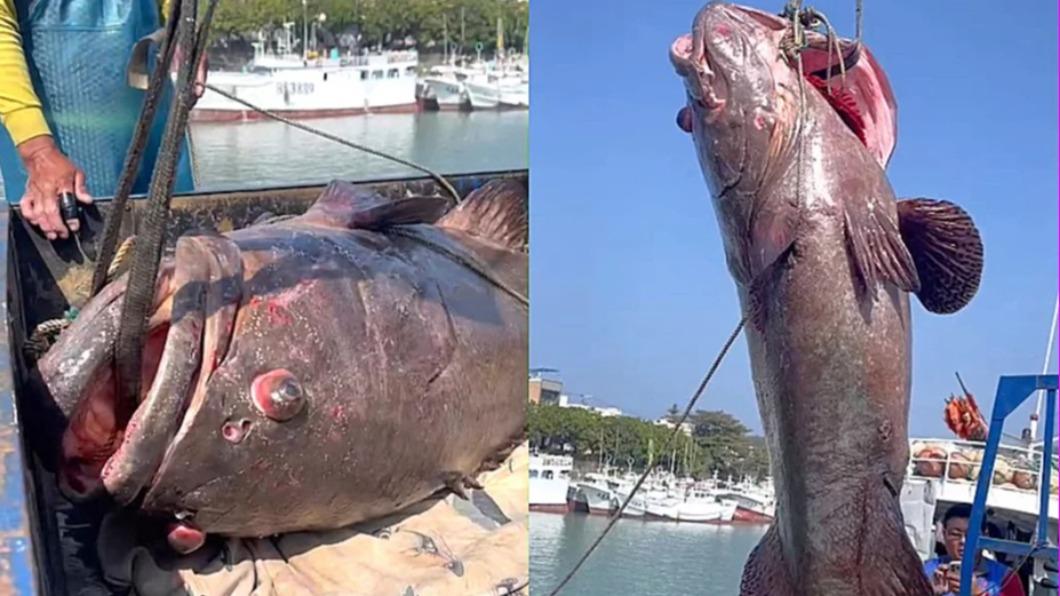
890	565
947	250
765	573
496	211
884	562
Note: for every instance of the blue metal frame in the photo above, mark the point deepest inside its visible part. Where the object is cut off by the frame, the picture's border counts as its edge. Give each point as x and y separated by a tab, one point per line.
18	568
1011	392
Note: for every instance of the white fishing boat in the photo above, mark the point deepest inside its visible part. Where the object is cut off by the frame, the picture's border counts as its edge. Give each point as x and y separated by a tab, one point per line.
478	86
497	91
595	494
442	88
755	503
549	482
313	86
697	506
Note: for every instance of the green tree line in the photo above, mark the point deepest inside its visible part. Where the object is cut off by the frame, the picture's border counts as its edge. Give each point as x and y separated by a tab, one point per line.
383	22
719	442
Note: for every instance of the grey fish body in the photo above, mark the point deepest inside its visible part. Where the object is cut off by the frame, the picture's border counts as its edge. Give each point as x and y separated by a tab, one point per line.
832	377
824	259
346	364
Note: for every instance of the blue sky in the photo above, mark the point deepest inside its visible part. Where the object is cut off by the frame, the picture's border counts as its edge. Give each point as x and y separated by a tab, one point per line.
631	297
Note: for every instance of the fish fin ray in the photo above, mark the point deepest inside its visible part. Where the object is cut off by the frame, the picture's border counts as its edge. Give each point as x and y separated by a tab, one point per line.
349	206
765	573
496	211
876	245
773	227
948	252
458	483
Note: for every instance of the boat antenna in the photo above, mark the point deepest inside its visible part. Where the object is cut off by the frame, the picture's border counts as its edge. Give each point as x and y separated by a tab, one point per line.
1045	369
963	388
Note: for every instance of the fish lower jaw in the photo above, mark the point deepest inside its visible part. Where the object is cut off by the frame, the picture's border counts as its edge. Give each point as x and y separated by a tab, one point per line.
94	440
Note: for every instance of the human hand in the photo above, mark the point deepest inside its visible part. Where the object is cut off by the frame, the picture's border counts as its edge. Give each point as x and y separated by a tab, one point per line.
939	583
49	174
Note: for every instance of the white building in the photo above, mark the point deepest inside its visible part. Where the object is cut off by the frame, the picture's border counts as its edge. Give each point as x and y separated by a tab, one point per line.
686	427
605	411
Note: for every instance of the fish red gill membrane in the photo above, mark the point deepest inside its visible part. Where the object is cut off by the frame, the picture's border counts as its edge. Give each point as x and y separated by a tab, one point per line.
862	97
98	423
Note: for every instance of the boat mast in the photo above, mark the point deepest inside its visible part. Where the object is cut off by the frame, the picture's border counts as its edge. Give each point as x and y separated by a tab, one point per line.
445	37
1045	369
500	42
305	30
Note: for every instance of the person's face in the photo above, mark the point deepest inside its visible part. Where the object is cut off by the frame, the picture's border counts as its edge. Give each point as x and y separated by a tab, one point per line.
953	535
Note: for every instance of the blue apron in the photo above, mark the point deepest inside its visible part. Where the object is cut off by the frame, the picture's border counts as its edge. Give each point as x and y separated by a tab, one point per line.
77	52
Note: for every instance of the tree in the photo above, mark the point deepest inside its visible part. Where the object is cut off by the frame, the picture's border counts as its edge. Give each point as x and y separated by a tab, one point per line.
387	23
720	442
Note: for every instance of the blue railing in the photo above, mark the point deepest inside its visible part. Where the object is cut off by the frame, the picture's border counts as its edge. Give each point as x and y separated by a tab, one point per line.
1011	393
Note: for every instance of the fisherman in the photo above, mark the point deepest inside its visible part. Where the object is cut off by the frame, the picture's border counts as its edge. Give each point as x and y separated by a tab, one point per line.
991	577
67	105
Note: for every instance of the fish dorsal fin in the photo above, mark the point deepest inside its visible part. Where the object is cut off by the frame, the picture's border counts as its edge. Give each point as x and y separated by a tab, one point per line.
496	211
947	250
876	244
346	205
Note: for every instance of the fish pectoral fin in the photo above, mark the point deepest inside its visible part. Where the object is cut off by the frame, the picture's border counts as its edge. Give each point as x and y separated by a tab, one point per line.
947	250
496	211
458	483
876	244
766	572
772	233
349	206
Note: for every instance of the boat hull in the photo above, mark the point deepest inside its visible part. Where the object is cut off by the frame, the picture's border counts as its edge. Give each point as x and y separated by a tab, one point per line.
225	115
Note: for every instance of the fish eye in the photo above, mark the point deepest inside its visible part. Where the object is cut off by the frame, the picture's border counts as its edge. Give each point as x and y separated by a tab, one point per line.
278	395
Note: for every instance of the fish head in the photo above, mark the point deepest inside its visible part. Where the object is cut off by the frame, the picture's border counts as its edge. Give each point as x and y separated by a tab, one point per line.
739	91
745	92
107	441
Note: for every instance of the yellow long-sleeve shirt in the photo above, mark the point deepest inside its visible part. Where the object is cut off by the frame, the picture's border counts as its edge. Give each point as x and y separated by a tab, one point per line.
20	108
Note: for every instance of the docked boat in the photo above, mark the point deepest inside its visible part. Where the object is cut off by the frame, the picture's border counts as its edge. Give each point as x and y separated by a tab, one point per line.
697	506
549	482
497	91
479	85
442	88
308	87
595	494
755	503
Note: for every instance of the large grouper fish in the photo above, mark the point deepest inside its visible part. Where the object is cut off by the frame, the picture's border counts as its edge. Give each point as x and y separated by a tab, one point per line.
307	373
823	257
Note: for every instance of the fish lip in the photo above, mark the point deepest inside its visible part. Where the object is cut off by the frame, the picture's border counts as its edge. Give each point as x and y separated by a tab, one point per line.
209	269
698	76
79	480
124	462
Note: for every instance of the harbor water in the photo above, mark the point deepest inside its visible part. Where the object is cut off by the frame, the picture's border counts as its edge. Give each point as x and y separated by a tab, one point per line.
638	557
269	153
261	154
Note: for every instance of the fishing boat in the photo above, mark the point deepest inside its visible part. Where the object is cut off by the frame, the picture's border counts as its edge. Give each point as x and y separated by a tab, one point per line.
755	503
549	482
595	494
442	88
697	506
48	544
477	86
313	86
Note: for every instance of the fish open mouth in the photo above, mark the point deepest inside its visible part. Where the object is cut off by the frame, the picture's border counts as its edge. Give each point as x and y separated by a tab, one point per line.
116	445
842	70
